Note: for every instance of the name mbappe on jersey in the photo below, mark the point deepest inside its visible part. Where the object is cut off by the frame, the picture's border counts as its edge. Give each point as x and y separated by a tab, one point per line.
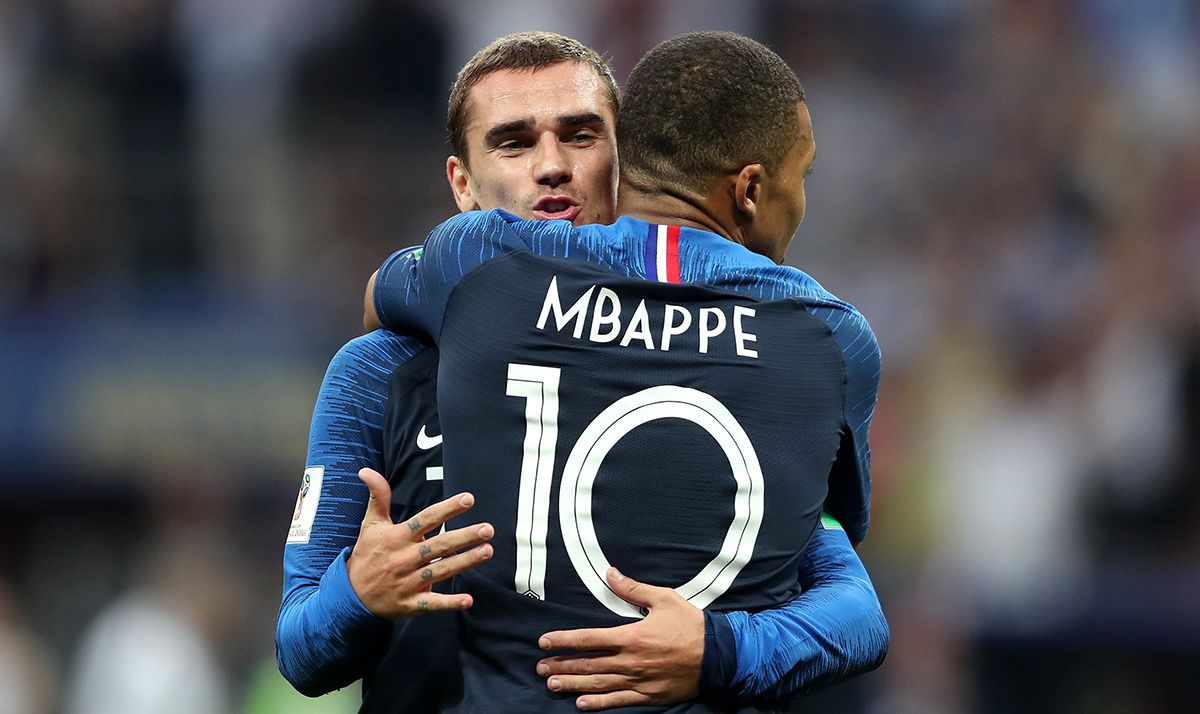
607	322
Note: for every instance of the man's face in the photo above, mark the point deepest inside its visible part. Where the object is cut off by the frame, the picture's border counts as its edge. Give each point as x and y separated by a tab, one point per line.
540	145
782	205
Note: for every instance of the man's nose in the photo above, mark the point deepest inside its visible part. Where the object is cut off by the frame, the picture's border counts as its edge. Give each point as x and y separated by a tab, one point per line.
552	168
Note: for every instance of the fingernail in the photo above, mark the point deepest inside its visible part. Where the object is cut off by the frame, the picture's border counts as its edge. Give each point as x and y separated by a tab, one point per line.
466	499
543	669
484	531
544	643
583	703
464	603
484	553
555	684
616	575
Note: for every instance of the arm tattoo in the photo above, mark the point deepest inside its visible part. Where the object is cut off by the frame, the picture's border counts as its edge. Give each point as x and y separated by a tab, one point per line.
414	525
423	605
427	573
425	551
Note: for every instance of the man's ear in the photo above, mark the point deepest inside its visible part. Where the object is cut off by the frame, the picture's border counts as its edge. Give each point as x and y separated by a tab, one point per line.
747	190
370	318
460	184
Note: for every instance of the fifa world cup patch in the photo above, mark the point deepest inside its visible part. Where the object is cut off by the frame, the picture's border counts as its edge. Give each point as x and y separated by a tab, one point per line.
306	505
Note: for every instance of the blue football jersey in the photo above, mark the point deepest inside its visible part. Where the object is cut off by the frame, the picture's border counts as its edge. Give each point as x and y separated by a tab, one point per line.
653	398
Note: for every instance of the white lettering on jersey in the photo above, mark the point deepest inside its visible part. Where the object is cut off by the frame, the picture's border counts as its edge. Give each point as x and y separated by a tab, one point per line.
306	505
560	318
639	328
608	320
740	336
601	319
706	332
670	327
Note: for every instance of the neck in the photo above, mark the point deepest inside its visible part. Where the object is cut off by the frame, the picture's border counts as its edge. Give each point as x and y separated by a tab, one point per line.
666	206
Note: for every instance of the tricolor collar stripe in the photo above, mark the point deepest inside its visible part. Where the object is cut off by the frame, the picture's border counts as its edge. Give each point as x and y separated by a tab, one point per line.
662	253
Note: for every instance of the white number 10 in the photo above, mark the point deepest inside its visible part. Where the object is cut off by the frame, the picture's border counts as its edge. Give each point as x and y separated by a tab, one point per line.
539	387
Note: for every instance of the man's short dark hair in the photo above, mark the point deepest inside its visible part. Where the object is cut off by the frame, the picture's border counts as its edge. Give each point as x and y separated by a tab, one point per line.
518	51
702	104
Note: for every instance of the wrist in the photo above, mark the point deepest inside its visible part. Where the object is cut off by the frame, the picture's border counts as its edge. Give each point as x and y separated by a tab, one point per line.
339	580
718	664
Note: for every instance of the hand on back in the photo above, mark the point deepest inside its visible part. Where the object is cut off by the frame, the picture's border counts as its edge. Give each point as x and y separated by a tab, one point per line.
393	566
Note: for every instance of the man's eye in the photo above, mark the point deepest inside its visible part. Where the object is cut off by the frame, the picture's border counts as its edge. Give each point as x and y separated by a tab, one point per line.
583	136
513	145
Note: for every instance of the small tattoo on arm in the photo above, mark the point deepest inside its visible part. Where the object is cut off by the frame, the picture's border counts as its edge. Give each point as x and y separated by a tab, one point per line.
414	525
426	574
426	551
423	605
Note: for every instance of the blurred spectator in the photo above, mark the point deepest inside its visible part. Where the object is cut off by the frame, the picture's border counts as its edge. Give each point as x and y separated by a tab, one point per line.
152	650
27	674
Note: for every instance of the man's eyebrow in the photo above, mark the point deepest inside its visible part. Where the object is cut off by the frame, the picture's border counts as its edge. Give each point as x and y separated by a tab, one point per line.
574	120
499	131
568	121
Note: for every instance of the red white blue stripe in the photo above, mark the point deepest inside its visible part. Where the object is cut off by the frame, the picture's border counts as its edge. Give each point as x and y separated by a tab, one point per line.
662	253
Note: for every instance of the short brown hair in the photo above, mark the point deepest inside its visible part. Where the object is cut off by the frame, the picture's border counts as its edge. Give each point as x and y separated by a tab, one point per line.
521	50
703	103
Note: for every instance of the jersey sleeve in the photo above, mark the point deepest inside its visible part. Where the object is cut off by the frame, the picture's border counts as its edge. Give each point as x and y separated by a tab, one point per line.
833	630
849	498
413	285
325	637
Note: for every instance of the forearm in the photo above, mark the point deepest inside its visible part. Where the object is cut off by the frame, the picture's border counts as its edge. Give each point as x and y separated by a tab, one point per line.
834	630
325	637
324	633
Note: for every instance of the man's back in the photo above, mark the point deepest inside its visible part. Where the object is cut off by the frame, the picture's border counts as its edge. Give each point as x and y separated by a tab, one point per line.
684	433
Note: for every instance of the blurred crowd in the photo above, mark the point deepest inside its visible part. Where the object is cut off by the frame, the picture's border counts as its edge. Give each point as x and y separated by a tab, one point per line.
192	193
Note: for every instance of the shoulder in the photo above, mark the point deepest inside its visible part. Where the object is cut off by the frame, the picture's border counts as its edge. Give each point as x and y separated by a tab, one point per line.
377	353
478	224
475	237
848	326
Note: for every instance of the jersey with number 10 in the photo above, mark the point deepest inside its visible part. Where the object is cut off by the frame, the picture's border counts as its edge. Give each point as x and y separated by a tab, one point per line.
648	397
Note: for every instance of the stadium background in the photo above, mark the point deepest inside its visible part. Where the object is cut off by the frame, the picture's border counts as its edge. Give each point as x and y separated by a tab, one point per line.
193	191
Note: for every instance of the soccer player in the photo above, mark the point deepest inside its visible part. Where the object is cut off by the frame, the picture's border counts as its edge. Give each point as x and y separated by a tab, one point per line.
540	149
377	405
659	394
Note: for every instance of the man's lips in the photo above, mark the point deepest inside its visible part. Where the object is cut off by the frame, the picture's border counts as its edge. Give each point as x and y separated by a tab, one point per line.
552	208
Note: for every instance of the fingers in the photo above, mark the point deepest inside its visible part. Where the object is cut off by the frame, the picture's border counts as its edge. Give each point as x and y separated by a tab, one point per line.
600	638
437	602
635	592
450	542
623	698
449	567
437	514
379	506
587	683
596	664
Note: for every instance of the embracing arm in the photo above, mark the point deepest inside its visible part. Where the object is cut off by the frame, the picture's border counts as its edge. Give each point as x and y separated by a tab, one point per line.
834	630
325	636
349	568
